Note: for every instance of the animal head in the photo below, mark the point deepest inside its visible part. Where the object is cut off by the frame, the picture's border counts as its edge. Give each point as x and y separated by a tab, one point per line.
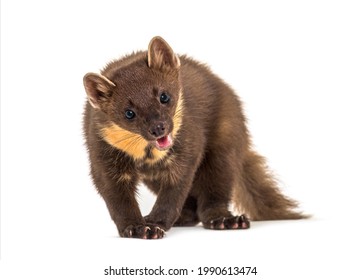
139	96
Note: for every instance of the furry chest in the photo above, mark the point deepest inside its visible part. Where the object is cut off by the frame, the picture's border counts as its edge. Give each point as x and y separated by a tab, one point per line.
166	172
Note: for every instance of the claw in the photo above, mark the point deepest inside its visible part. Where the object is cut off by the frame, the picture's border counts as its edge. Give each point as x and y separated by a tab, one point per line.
235	225
245	222
159	232
211	224
160	229
221	226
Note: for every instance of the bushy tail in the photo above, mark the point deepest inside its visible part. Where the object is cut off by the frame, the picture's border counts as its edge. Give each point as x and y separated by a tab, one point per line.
258	196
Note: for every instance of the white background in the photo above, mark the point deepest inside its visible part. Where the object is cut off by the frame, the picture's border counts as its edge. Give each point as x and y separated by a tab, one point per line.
296	66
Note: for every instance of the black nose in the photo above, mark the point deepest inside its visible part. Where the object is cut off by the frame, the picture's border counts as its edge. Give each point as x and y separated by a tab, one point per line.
157	129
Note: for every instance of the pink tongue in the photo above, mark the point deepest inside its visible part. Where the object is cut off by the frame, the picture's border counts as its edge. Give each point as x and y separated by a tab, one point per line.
164	142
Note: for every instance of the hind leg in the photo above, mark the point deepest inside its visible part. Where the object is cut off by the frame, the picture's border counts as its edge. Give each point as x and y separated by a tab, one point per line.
189	216
217	216
213	184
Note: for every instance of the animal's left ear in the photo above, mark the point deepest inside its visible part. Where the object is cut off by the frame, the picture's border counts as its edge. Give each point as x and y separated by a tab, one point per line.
161	55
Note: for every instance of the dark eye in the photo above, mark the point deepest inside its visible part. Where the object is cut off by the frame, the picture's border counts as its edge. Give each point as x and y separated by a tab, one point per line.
164	98
129	114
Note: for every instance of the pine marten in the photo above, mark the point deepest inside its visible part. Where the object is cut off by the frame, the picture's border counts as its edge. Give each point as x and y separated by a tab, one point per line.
169	122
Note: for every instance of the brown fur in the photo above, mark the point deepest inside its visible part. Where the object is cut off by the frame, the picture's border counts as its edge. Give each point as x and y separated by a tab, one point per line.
192	150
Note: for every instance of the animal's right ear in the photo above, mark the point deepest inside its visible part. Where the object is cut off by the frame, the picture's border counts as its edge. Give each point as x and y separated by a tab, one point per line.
98	89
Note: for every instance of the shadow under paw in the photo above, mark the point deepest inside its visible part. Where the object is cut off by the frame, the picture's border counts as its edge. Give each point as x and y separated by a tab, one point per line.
232	222
148	231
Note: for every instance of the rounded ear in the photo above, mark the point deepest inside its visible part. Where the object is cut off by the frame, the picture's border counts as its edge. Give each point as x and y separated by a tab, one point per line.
98	89
161	55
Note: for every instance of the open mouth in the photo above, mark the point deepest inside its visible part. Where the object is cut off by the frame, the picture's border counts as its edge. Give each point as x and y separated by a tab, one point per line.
164	142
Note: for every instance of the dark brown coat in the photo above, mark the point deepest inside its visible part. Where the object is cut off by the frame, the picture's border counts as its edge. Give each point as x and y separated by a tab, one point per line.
168	121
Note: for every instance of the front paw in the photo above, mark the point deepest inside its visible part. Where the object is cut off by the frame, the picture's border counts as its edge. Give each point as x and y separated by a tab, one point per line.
163	223
148	231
